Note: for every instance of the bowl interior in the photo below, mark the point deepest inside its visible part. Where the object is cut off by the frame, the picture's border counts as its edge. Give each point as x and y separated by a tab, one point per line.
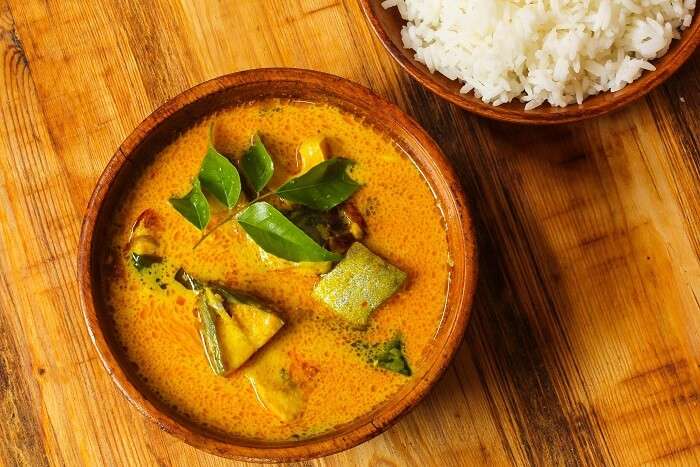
387	26
163	127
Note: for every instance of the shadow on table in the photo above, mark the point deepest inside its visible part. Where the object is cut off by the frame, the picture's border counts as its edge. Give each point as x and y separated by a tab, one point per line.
515	360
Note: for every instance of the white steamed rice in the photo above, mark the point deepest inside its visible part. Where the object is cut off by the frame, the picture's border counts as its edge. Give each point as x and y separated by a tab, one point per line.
556	51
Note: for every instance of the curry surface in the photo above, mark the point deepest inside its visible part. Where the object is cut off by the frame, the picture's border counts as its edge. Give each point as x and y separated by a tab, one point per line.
155	323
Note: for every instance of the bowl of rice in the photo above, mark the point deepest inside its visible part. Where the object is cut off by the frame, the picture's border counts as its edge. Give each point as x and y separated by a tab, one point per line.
537	61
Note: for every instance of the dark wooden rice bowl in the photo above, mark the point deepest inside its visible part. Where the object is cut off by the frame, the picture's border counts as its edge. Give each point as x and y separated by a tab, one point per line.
387	26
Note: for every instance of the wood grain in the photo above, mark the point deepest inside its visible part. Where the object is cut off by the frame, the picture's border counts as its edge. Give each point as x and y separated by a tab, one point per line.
584	343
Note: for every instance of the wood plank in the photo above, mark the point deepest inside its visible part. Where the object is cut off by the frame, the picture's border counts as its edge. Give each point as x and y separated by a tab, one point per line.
584	346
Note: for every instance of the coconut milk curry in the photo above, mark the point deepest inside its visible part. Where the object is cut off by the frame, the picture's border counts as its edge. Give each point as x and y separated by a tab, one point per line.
277	271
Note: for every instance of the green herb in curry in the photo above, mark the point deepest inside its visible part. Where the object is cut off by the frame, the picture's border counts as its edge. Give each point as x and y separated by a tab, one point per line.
388	355
257	165
279	236
323	187
219	176
193	206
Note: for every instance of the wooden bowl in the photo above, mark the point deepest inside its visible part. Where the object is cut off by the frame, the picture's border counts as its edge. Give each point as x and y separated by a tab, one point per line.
387	26
159	129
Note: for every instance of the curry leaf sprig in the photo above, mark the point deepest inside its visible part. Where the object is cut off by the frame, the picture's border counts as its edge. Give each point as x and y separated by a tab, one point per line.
321	188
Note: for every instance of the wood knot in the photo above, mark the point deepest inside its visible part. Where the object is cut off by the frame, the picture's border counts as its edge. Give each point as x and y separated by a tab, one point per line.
19	48
9	36
4	377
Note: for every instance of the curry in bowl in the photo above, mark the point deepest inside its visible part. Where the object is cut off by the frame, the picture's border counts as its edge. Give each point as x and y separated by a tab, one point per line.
276	270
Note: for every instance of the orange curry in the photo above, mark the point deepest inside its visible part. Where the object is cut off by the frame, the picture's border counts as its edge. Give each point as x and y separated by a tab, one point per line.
316	372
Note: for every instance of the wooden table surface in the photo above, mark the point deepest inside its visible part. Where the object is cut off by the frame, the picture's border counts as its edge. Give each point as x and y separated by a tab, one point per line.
584	343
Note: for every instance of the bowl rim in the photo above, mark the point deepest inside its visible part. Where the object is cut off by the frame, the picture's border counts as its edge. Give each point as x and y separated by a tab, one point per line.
334	441
593	106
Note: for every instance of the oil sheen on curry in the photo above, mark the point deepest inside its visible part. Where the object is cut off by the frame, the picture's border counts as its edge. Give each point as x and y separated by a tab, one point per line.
277	271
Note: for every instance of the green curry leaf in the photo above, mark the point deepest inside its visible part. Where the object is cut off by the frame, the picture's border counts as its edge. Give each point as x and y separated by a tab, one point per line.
257	165
390	357
219	176
277	235
323	187
193	206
